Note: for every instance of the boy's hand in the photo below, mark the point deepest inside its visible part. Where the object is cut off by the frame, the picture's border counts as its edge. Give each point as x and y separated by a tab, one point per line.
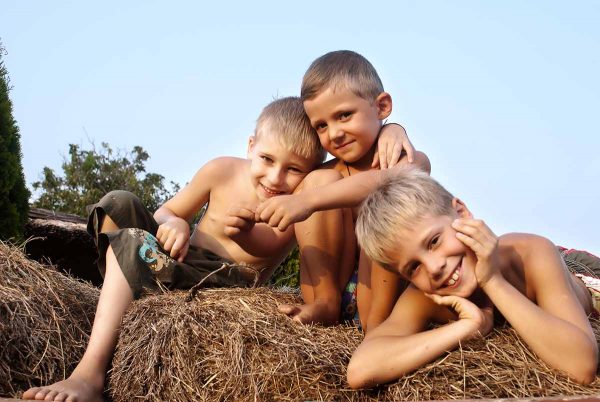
283	211
392	141
237	219
174	237
476	235
481	318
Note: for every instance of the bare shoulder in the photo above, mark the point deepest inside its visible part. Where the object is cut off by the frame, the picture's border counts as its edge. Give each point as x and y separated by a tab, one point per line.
526	245
224	165
322	176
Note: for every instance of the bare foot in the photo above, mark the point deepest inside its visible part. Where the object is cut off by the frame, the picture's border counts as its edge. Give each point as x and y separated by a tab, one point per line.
313	313
72	389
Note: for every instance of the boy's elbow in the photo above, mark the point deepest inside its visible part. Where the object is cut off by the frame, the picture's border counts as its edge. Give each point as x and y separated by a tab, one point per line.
584	376
584	371
358	374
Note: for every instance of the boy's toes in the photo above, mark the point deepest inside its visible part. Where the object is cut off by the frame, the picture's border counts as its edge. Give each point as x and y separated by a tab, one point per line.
31	393
50	395
61	397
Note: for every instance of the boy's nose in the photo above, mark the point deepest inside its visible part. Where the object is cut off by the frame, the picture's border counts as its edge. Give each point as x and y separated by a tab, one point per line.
435	266
275	176
335	133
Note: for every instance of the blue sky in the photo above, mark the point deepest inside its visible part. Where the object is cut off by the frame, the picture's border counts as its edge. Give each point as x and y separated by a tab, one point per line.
502	96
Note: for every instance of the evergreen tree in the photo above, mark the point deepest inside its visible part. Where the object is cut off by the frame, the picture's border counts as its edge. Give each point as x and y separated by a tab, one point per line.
14	195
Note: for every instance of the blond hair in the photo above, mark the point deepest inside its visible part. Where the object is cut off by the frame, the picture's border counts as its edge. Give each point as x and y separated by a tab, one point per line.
341	69
286	119
395	207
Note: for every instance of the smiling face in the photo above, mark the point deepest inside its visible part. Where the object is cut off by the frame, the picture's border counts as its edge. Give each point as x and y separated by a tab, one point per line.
433	259
275	170
347	124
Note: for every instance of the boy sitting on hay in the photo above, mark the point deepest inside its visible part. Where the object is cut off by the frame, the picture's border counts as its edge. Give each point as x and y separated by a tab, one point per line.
461	273
140	252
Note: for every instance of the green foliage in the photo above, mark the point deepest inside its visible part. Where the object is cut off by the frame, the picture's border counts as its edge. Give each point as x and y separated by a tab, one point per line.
89	174
14	195
288	273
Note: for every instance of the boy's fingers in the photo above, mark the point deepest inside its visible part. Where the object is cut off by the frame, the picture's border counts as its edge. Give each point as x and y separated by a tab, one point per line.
395	157
184	252
168	245
410	151
383	161
283	225
231	231
375	162
177	246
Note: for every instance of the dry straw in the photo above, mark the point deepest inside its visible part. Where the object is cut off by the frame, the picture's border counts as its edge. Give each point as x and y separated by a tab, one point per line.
45	321
231	344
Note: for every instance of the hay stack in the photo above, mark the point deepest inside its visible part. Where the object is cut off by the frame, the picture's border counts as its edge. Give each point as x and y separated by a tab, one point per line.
45	321
227	344
231	344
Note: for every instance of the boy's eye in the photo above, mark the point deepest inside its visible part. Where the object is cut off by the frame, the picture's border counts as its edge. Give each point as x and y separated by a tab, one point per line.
266	159
320	127
345	115
412	267
295	170
435	240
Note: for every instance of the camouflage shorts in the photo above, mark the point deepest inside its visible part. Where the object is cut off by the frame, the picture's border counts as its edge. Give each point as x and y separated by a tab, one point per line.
145	264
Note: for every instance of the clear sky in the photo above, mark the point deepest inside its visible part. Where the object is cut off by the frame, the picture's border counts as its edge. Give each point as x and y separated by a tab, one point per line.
502	96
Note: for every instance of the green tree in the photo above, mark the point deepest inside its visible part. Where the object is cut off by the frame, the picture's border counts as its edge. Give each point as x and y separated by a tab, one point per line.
89	174
14	195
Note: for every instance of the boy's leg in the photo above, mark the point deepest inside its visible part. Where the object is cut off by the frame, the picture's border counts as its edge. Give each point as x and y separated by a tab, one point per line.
378	290
321	243
86	383
87	380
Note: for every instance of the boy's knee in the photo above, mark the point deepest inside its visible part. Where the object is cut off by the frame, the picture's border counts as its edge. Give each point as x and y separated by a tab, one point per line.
118	198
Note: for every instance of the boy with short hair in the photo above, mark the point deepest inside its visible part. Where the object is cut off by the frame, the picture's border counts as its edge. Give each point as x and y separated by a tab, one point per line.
461	273
346	104
227	248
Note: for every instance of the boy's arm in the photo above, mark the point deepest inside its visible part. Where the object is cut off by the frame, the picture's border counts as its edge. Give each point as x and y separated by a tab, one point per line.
402	343
386	287
259	240
284	210
556	328
173	217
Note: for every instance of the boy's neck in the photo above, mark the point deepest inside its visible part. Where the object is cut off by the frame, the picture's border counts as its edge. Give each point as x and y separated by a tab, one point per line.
364	163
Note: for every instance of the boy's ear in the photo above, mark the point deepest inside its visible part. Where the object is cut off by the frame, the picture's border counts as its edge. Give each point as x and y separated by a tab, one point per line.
461	208
251	143
384	105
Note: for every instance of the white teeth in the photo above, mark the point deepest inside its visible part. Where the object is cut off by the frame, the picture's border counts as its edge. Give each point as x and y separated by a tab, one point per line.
453	278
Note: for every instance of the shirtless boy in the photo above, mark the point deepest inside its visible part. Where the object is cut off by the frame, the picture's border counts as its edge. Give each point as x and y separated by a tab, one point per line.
461	274
345	101
138	249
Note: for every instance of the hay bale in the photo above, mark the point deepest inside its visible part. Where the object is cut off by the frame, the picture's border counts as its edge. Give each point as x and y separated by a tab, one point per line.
498	366
231	344
45	321
227	344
